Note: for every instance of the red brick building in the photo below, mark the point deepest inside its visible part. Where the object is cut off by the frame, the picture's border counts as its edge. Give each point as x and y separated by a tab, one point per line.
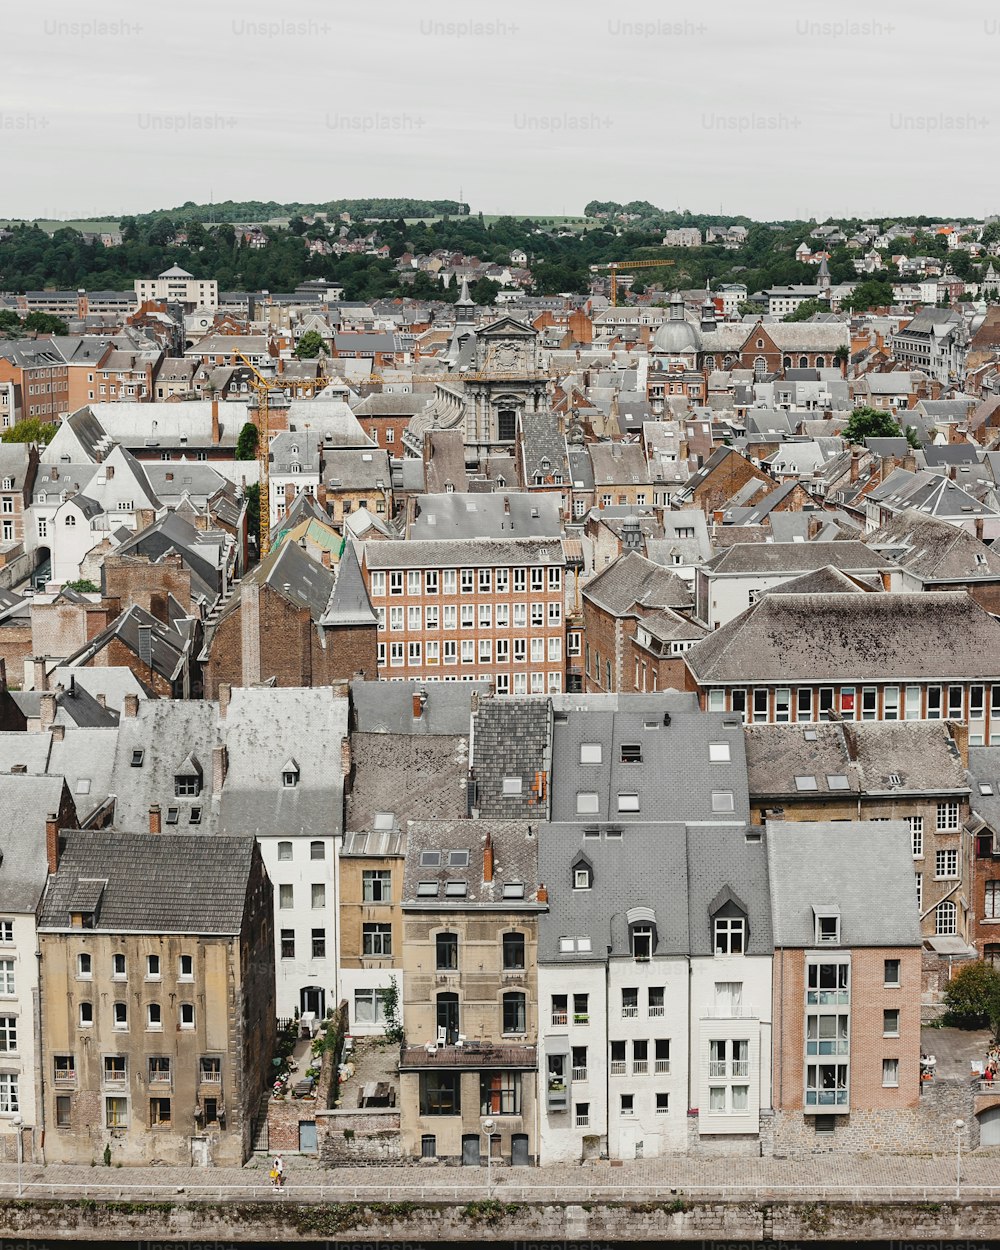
471	609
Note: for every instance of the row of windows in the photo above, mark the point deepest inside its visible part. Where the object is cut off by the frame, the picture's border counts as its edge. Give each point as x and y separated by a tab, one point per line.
464	581
159	1069
588	801
117	1111
470	616
499	1093
154	1015
446	951
898	703
119	967
286	896
472	651
317	850
317	945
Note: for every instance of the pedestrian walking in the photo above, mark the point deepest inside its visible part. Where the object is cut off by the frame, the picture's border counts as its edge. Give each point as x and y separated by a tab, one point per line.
278	1172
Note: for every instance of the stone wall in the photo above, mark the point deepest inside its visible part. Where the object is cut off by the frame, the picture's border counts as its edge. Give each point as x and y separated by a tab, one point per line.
366	1135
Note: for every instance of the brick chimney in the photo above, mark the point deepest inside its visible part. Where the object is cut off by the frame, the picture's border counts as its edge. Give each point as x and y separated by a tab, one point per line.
488	859
346	758
102	699
325	559
130	706
979	528
960	736
47	710
41	677
155	819
225	694
58	733
542	894
855	463
220	766
419	699
52	840
216	436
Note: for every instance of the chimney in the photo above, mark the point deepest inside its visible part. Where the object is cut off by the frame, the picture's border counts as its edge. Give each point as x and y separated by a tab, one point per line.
506	505
225	694
488	859
54	473
41	678
102	699
815	525
155	821
325	559
47	710
419	699
855	463
52	840
346	760
979	532
130	706
109	472
542	894
886	579
220	766
215	421
960	736
58	733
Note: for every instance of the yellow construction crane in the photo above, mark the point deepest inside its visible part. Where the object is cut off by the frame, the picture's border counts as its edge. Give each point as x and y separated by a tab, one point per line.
625	265
263	387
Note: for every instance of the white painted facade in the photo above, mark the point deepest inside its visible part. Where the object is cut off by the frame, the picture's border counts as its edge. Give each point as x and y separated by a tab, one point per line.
561	1136
360	987
18	996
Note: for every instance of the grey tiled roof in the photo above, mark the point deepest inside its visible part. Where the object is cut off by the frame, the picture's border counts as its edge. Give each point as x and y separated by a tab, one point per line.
387	707
155	883
487	515
631	580
840	863
515	862
512	739
675	779
864	637
25	802
720	860
412	777
466	552
935	550
796	557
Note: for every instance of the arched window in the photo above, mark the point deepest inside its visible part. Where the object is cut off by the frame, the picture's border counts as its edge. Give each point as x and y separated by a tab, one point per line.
786	362
727	362
803	362
515	1014
759	367
820	362
946	919
760	343
70	519
709	362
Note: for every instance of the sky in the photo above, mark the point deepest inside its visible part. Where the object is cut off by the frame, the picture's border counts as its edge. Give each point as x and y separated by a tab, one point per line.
786	110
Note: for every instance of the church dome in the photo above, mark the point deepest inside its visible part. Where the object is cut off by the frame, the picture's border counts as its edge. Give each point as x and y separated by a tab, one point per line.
677	336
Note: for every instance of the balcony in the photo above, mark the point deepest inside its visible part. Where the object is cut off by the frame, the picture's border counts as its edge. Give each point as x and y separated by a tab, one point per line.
618	1067
579	1074
716	1067
580	1017
656	1009
116	1079
640	1067
661	1065
65	1077
826	1097
210	1078
630	1010
559	1017
557	1096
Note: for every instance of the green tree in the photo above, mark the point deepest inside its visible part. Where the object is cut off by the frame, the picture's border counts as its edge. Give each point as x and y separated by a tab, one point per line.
10	322
310	345
247	441
870	294
390	1007
30	430
484	291
806	309
45	323
252	497
84	585
868	422
973	996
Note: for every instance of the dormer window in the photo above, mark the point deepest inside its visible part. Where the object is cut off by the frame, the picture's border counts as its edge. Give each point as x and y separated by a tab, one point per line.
642	942
187	786
632	754
729	935
583	875
290	774
827	922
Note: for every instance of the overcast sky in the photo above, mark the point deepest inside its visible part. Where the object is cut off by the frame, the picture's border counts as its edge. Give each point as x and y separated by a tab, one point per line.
528	108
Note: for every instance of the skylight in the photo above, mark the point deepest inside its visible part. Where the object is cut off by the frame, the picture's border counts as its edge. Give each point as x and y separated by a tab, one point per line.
805	783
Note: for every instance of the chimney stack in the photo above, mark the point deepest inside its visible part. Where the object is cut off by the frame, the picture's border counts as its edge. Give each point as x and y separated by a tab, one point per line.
542	894
225	694
102	699
130	706
52	840
58	733
47	711
419	699
41	677
488	859
220	766
979	528
346	759
155	821
216	436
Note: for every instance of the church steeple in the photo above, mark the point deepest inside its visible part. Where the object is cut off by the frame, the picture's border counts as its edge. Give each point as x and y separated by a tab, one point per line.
823	275
465	309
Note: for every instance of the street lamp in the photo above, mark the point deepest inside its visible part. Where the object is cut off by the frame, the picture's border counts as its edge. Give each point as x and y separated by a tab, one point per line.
958	1126
488	1127
17	1122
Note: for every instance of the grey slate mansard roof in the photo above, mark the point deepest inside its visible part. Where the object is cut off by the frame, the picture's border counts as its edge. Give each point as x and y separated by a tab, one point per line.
865	637
466	552
723	863
411	777
796	557
843	864
631	580
155	883
266	727
387	706
675	779
515	862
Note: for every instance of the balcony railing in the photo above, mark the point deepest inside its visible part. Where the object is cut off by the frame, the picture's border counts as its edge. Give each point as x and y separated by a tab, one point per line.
579	1074
559	1017
639	1066
630	1009
581	1017
618	1067
211	1078
582	1121
741	1067
65	1078
716	1067
656	1009
826	1097
115	1078
661	1065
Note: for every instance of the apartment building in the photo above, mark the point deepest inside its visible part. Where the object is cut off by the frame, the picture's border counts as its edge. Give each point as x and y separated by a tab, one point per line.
177	286
38	372
847	979
158	971
471	907
470	609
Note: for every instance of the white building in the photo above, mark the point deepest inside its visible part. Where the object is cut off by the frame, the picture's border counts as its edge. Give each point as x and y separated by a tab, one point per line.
177	286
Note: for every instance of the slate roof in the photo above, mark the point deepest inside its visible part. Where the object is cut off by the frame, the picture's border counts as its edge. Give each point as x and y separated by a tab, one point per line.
264	726
775	558
484	514
458	552
840	863
356	468
850	638
720	860
349	604
304	582
408	776
619	464
935	550
512	738
863	757
25	802
631	579
674	779
167	642
515	862
543	439
387	707
154	883
826	580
